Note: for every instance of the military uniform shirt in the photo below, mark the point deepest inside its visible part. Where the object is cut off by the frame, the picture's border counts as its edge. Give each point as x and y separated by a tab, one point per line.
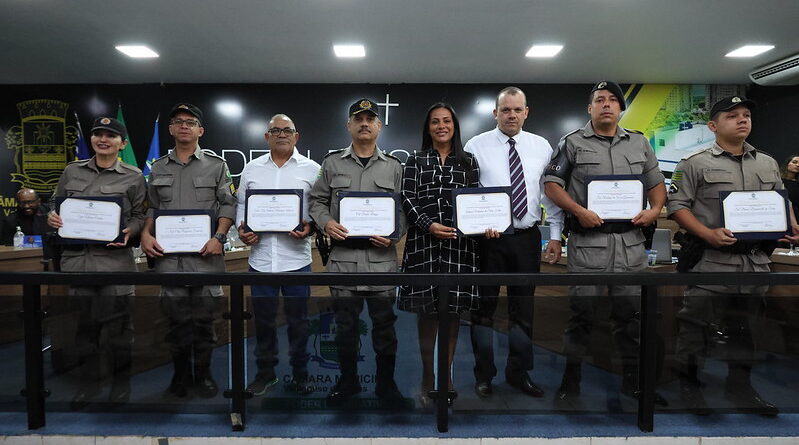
84	178
202	183
695	186
342	171
591	155
698	179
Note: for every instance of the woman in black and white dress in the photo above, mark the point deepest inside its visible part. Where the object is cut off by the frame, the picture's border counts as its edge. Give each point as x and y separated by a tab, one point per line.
432	245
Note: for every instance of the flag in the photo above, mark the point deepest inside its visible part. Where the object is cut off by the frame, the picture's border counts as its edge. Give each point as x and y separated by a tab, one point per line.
81	149
154	153
126	155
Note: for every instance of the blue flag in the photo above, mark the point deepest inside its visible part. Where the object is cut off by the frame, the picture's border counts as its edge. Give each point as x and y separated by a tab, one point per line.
154	153
81	149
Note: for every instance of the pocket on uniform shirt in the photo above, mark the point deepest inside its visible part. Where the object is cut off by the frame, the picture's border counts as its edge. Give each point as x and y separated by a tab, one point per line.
384	183
768	180
716	181
76	187
636	161
163	188
205	189
586	163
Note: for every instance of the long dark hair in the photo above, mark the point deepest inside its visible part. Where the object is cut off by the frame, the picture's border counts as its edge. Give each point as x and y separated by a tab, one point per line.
784	167
461	160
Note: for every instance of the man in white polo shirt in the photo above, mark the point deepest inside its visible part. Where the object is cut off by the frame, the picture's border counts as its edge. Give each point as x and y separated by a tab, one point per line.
509	156
283	168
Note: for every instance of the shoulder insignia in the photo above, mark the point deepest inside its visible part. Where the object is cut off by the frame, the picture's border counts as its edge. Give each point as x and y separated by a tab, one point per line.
79	161
213	155
562	141
759	151
130	167
389	155
232	188
689	156
335	151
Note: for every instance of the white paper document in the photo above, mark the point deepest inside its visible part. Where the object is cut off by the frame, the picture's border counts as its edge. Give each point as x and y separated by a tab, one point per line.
616	199
182	233
755	211
368	216
90	220
476	212
273	212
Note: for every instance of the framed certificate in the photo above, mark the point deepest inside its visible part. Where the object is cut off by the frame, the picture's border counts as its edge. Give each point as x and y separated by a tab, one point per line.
90	219
476	209
184	231
756	214
273	210
366	214
615	197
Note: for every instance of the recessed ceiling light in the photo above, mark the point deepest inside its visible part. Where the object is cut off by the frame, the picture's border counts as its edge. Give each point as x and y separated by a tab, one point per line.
749	51
543	50
349	51
231	109
136	51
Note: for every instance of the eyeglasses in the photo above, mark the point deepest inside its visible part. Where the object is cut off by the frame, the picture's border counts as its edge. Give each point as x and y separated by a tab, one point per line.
191	123
277	131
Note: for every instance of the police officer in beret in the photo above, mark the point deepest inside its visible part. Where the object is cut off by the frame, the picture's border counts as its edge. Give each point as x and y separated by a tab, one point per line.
602	147
360	167
189	178
105	330
722	314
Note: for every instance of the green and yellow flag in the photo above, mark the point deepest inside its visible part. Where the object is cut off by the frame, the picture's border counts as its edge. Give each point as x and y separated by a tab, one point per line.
126	155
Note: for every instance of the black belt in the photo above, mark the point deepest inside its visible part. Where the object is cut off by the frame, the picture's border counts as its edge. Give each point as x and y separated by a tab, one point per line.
353	243
608	227
527	230
742	247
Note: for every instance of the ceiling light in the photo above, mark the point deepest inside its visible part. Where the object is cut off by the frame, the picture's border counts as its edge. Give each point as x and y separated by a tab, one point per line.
136	51
349	51
543	50
749	51
230	109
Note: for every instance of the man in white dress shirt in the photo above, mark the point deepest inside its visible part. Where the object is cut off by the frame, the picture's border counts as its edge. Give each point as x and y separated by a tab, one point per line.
283	168
509	156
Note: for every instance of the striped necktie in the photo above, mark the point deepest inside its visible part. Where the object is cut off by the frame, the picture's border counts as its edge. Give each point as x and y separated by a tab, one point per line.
518	187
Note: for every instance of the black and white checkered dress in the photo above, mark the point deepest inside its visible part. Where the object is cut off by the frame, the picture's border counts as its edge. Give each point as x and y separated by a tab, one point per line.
426	198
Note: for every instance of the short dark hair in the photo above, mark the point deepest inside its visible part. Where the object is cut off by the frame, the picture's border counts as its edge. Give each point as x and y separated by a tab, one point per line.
513	91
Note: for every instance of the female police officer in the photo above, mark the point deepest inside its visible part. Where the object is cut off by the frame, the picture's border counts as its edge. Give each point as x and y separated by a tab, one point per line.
105	329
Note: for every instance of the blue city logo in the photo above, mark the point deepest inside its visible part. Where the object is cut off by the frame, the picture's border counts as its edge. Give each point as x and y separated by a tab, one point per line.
325	351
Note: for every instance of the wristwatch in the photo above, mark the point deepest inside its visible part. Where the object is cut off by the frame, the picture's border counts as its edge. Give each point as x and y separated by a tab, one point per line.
221	237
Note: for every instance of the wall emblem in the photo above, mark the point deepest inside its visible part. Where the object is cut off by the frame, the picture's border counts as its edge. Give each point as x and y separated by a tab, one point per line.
43	143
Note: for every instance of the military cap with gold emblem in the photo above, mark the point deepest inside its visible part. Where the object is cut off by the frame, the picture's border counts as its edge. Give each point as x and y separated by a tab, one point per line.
614	88
729	103
363	105
184	107
110	124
